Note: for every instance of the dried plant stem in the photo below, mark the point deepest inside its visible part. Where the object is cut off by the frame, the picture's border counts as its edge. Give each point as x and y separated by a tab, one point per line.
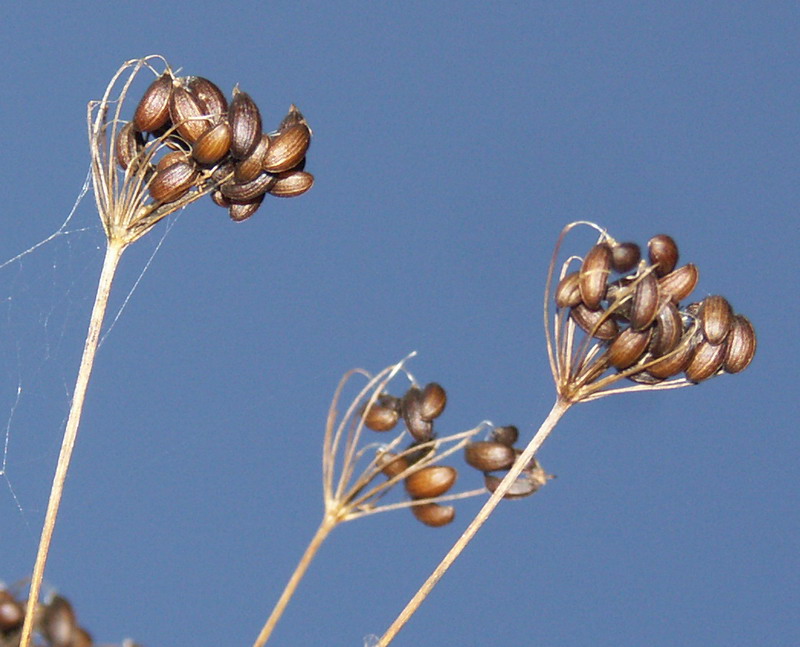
329	522
558	410
114	251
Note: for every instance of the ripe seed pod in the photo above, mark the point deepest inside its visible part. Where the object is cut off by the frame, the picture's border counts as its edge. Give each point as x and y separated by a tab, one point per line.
12	613
171	183
380	418
430	481
593	322
288	148
294	116
250	167
706	361
249	190
392	465
667	330
58	622
291	184
245	120
645	302
674	362
568	292
211	99
239	211
625	256
129	144
421	430
716	318
187	114
432	401
153	110
663	253
219	199
433	514
171	158
507	435
741	345
678	284
594	274
213	145
488	456
628	347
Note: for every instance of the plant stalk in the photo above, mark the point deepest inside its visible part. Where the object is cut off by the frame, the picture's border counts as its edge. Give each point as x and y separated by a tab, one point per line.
558	410
114	250
329	522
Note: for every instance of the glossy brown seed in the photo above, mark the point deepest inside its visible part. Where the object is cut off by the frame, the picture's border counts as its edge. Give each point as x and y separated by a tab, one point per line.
507	435
210	97
288	148
239	211
488	456
679	284
58	622
245	120
247	191
171	158
421	430
294	116
250	167
625	256
594	275
644	306
628	347
433	514
707	359
716	318
674	362
432	401
664	253
12	613
667	330
568	292
593	322
291	184
392	465
430	481
380	418
153	110
219	199
213	145
741	345
171	183
187	114
129	144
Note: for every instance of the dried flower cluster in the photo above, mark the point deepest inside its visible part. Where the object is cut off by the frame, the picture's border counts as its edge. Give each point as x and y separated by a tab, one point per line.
634	324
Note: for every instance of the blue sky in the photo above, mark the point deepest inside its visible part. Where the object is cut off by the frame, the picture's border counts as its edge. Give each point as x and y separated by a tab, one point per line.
452	142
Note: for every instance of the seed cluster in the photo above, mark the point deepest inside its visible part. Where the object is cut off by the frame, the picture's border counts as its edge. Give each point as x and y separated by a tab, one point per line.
637	322
212	140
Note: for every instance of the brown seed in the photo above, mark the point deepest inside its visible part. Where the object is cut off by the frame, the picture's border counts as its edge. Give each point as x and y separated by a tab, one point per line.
12	613
594	275
667	330
432	401
430	481
663	253
130	144
433	514
58	622
210	97
294	116
245	120
250	167
628	347
223	172
593	322
380	418
568	292
247	191
716	318
421	430
291	184
488	456
741	345
644	307
625	256
288	148
678	284
153	110
219	199
187	114
706	361
674	362
523	486
171	158
239	211
392	465
507	435
171	183
213	145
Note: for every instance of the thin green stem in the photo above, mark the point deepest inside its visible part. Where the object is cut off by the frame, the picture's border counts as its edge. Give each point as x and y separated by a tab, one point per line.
114	252
558	410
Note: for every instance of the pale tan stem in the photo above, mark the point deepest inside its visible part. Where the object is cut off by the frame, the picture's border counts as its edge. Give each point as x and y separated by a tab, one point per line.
113	254
329	522
558	410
